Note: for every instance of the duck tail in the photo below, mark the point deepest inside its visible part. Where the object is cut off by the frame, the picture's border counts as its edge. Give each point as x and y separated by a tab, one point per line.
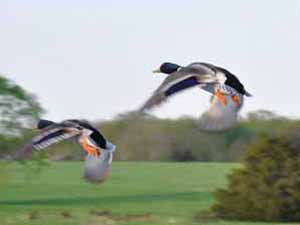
44	123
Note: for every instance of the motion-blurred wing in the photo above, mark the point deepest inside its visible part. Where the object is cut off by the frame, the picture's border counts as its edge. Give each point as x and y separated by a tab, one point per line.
173	84
220	117
201	68
54	135
48	136
187	77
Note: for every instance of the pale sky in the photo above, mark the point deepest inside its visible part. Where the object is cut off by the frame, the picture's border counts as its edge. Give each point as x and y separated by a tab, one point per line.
93	59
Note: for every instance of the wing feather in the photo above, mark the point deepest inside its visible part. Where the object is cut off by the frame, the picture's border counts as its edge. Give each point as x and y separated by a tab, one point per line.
48	136
187	77
169	88
163	93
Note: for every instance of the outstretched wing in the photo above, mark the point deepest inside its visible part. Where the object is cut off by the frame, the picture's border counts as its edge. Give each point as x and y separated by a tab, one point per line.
187	77
220	116
168	88
48	136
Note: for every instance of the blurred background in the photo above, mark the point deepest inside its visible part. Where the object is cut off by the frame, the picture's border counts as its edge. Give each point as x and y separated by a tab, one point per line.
98	55
93	60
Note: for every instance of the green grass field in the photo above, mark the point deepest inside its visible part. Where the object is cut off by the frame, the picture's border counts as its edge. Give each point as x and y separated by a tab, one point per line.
136	193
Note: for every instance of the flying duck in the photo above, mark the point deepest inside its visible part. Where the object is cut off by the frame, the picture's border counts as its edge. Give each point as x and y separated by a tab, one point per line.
99	151
226	89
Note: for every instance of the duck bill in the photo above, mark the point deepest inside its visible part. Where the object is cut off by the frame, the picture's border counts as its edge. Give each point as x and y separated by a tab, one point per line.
156	71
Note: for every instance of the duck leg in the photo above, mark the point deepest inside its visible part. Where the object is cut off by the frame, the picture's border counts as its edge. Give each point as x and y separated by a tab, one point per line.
89	149
221	97
236	99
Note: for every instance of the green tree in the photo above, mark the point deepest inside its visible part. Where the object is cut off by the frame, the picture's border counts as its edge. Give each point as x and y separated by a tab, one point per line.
18	108
267	186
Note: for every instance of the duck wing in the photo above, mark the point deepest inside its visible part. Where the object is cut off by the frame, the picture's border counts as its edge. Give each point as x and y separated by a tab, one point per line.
187	77
48	136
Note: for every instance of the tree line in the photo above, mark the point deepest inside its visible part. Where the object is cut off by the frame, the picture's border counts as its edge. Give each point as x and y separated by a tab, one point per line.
138	136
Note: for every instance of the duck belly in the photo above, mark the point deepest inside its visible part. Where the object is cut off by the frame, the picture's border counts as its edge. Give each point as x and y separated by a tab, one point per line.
96	169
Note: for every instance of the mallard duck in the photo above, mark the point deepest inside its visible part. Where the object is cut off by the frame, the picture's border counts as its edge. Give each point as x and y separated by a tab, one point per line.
99	150
228	92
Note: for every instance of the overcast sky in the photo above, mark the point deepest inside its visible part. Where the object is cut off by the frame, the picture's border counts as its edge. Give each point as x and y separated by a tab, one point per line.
93	59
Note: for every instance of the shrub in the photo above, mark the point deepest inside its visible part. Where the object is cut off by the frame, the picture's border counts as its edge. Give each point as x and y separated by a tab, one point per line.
267	187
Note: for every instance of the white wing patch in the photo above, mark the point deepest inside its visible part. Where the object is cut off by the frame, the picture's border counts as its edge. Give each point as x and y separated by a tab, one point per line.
51	141
221	77
53	136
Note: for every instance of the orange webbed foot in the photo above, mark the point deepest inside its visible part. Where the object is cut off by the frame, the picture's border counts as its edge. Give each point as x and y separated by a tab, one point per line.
89	149
221	97
236	99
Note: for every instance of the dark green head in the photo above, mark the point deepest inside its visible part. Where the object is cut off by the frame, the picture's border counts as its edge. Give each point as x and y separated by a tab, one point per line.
167	68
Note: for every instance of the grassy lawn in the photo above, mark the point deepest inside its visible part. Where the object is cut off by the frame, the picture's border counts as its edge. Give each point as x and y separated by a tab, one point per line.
137	193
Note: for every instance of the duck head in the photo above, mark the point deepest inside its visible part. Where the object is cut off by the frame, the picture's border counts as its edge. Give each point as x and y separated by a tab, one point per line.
167	68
